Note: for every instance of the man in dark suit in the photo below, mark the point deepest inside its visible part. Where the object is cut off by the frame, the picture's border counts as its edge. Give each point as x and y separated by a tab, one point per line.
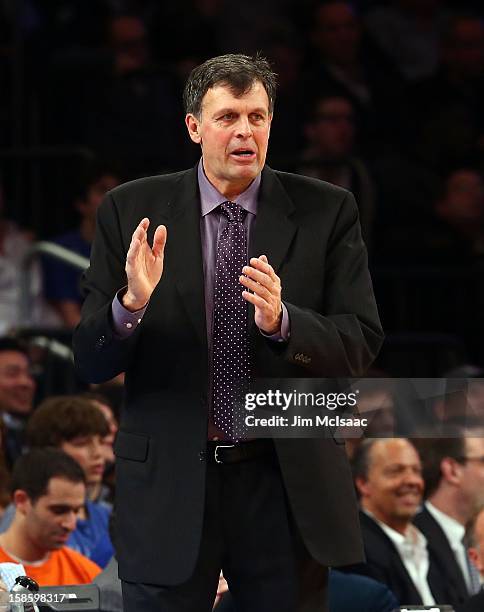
388	477
454	482
193	498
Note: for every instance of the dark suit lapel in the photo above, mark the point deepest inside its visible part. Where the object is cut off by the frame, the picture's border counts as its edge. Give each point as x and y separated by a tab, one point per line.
274	230
183	248
442	557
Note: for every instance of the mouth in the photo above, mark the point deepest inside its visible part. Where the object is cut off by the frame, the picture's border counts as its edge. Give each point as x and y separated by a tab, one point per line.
243	154
409	495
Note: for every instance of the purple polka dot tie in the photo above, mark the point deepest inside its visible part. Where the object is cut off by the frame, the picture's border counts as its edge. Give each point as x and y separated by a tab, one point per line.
231	373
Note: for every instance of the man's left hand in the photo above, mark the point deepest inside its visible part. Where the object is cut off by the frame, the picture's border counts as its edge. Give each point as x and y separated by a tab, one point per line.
261	279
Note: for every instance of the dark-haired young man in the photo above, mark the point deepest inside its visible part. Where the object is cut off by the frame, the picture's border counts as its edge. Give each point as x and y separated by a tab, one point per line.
17	390
48	489
453	470
77	427
62	281
264	274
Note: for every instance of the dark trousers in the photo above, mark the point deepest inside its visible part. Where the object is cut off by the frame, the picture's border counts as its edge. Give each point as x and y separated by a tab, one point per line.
249	533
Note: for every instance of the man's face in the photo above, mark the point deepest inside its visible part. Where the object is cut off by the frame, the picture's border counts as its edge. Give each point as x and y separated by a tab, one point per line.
394	487
337	33
52	518
472	475
234	134
464	54
464	198
89	453
332	130
476	552
95	195
17	387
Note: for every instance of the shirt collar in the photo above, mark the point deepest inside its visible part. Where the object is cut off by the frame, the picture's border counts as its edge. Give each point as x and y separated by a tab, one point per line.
453	529
412	535
210	197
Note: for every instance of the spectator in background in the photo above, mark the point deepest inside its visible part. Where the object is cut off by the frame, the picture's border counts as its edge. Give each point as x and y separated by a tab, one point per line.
453	470
75	426
4	473
62	281
449	233
389	481
409	32
17	390
285	52
134	108
344	59
475	543
48	491
329	154
446	109
15	245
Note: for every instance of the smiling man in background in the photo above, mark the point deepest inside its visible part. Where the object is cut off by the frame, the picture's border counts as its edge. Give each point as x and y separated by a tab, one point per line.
388	476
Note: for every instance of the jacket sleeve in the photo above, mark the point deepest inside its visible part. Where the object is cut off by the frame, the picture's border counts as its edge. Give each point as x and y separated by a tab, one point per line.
98	353
345	337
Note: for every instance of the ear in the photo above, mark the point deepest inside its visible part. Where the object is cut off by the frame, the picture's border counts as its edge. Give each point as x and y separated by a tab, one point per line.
193	126
362	486
451	470
21	501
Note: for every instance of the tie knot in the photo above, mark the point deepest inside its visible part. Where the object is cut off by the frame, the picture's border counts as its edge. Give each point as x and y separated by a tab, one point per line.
233	211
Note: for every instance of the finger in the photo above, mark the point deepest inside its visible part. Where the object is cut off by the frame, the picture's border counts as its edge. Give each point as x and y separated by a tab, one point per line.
141	230
159	241
256	300
261	263
258	276
256	288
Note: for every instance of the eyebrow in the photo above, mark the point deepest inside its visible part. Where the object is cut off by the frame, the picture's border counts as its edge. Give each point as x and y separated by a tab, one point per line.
223	111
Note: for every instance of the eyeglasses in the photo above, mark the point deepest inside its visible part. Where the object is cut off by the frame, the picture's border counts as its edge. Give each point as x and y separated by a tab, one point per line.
478	459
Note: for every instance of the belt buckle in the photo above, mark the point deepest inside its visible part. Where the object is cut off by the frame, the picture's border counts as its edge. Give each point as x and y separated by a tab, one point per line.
215	453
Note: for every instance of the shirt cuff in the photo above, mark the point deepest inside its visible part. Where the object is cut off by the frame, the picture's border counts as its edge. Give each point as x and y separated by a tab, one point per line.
285	332
125	321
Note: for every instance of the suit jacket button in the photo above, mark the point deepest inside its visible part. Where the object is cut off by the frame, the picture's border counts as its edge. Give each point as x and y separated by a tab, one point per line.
201	456
101	341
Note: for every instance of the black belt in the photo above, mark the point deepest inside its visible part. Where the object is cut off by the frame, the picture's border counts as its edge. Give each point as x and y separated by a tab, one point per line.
224	452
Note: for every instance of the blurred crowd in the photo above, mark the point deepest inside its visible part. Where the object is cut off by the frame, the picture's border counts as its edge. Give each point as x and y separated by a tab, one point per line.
384	98
381	97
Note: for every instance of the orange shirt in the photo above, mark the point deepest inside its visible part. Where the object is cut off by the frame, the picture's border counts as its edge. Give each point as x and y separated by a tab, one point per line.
63	566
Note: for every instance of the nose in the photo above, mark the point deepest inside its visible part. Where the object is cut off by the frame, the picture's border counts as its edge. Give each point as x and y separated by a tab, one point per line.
97	448
244	128
69	521
26	380
413	478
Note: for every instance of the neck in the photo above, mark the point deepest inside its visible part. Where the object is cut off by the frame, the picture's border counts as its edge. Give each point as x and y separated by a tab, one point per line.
93	491
452	504
396	523
229	189
15	541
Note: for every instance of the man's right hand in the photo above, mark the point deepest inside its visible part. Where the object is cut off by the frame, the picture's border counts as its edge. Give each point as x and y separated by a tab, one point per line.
144	265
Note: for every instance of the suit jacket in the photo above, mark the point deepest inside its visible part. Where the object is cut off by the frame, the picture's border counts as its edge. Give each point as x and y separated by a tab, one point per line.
474	604
383	563
310	233
441	551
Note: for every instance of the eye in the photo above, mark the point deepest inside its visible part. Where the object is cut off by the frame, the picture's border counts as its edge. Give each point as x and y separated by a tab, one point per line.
227	117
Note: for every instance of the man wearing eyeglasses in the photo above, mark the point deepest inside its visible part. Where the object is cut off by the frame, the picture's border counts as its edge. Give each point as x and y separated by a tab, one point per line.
453	470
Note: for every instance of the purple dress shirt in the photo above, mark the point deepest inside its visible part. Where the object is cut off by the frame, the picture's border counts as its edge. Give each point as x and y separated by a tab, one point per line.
212	224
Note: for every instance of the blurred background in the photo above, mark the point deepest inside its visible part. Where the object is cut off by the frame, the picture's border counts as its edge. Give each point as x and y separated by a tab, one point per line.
382	97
